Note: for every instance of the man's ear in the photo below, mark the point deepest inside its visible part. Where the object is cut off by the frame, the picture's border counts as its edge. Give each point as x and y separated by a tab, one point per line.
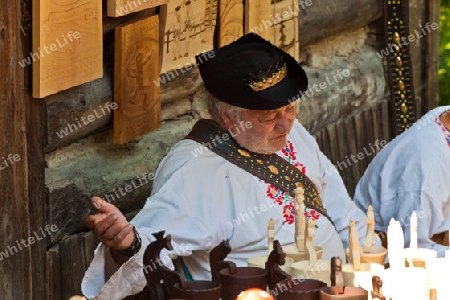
227	121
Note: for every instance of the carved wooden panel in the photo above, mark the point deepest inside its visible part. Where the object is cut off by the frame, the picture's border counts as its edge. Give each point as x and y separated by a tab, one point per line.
67	44
189	31
257	18
276	21
231	20
119	8
136	71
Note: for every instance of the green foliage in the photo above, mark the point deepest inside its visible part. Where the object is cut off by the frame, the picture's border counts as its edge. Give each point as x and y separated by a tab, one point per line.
444	58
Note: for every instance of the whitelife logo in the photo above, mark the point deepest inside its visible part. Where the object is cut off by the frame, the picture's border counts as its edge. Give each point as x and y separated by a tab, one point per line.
69	37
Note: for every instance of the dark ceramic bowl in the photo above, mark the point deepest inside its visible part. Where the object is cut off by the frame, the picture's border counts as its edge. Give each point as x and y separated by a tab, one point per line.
197	289
306	289
244	279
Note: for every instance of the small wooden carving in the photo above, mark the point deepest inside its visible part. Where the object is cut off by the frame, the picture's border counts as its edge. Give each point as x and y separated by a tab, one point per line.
337	278
370	236
310	233
160	279
377	285
217	262
270	235
300	220
353	243
276	259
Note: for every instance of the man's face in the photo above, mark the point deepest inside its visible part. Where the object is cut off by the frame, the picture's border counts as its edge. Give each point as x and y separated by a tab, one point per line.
269	129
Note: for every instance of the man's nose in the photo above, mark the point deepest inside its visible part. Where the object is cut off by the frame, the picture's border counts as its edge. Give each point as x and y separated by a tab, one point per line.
283	122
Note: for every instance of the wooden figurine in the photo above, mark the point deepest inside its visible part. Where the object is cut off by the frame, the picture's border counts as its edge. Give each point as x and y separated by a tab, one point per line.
270	235
370	236
337	277
160	279
217	262
300	220
276	259
377	292
310	233
353	242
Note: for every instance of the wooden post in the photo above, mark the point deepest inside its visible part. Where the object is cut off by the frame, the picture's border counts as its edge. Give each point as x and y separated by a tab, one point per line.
23	205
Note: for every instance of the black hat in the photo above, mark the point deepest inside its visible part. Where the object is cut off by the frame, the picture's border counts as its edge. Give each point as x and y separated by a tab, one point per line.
252	73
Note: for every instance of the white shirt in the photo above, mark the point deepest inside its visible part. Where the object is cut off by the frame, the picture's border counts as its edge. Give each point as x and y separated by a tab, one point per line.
201	199
411	173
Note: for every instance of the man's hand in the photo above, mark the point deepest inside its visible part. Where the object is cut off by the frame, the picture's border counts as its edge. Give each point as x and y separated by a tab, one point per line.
110	226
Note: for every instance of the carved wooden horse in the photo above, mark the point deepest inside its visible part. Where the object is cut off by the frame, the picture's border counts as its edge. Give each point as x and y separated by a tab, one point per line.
217	262
276	259
160	279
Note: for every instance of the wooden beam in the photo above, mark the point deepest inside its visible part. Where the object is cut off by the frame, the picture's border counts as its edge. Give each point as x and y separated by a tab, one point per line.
323	18
23	205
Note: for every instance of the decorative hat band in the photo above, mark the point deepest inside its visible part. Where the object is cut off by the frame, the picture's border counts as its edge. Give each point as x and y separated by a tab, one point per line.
269	81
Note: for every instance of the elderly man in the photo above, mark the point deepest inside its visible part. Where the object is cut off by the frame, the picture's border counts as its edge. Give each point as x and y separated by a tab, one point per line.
411	173
229	177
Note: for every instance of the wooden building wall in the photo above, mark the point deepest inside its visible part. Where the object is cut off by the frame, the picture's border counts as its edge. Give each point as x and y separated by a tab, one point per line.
53	181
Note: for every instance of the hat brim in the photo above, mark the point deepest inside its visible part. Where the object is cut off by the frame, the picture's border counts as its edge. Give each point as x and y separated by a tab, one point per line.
226	84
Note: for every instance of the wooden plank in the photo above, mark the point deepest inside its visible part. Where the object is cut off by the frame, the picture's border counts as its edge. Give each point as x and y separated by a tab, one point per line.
331	142
72	266
345	153
354	173
53	273
67	44
285	32
231	21
359	136
137	68
189	31
20	270
384	121
120	8
35	128
90	243
258	18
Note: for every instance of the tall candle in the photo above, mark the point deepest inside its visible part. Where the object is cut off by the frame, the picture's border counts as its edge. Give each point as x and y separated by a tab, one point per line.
395	244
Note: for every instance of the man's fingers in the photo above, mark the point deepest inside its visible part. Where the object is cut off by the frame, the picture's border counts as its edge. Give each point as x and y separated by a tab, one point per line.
124	233
100	228
89	221
112	231
102	205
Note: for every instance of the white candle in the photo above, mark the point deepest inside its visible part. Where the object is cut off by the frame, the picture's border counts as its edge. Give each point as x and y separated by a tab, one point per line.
413	231
395	244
